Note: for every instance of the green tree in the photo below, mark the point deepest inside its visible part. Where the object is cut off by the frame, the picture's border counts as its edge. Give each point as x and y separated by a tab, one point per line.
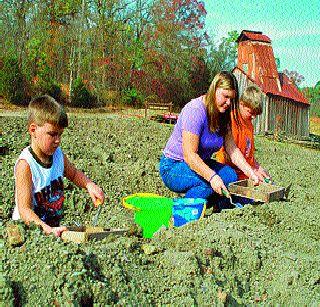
12	84
200	75
224	56
81	96
313	95
173	37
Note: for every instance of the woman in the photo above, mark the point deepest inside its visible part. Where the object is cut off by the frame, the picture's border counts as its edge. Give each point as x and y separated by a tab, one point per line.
202	128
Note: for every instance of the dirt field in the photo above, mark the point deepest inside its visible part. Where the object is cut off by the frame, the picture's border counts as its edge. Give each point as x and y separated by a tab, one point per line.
263	254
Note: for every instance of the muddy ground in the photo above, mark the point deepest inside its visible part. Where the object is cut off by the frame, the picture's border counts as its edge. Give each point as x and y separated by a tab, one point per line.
264	254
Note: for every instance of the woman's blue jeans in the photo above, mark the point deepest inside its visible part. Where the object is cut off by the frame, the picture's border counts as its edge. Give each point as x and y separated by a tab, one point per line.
180	178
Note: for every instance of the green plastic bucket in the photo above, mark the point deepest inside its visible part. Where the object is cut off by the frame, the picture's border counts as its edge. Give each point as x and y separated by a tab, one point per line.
150	212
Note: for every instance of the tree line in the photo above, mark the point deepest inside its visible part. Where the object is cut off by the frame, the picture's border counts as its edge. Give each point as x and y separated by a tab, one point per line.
97	52
313	95
90	53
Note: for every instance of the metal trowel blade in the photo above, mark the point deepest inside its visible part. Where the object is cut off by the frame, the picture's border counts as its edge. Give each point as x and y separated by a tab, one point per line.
96	217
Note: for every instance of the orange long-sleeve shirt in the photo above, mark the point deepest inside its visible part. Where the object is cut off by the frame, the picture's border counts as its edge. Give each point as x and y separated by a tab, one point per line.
244	140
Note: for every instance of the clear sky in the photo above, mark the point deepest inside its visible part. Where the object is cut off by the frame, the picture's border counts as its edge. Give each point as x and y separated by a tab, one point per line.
292	25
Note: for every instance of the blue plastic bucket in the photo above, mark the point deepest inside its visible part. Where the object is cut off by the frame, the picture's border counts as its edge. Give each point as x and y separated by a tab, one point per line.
186	210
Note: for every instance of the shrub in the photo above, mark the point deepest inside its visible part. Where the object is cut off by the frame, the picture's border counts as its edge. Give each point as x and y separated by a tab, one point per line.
12	81
315	109
132	97
313	95
81	97
52	88
109	97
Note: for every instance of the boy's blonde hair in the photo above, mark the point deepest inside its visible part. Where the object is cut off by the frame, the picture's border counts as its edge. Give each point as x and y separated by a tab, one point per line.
217	120
252	98
45	109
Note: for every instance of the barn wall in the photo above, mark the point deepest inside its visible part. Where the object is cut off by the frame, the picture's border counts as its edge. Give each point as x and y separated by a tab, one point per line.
289	117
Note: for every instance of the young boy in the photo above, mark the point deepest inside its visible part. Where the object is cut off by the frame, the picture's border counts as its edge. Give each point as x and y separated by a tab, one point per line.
242	130
41	166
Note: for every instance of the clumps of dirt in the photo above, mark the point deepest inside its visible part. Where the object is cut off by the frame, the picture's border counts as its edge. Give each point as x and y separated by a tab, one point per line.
266	254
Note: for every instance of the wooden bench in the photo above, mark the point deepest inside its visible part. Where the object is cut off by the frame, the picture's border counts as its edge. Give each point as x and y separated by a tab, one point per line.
155	103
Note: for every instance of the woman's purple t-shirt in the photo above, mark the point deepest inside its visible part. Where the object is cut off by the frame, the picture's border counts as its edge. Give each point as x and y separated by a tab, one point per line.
193	118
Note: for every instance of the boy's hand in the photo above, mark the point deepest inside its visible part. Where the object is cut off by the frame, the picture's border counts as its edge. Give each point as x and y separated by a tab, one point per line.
96	193
57	231
262	174
255	178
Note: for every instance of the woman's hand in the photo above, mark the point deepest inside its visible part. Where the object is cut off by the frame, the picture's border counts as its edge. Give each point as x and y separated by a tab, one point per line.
96	193
217	184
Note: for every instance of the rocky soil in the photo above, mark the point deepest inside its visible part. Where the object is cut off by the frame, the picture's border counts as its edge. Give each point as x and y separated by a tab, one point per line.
263	254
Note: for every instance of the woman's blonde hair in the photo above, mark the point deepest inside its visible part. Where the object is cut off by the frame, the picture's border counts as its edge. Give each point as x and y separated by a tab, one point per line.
45	109
220	121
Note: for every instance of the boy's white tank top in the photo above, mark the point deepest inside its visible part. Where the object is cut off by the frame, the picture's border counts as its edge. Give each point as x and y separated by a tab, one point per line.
47	185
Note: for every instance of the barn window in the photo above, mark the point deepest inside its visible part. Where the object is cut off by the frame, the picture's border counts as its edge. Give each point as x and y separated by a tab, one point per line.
245	67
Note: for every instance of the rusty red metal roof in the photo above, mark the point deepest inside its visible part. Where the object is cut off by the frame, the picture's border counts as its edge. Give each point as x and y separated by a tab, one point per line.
262	68
253	36
269	85
289	89
265	60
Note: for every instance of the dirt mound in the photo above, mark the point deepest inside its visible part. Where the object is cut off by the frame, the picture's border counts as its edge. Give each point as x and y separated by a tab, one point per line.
266	254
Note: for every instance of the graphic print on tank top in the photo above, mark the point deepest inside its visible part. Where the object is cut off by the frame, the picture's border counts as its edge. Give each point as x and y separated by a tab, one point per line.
49	201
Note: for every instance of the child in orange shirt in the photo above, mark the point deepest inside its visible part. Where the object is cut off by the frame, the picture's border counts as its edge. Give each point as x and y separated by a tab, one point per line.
242	130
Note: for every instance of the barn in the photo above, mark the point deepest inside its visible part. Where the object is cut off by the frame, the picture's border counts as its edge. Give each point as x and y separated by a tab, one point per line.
285	109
